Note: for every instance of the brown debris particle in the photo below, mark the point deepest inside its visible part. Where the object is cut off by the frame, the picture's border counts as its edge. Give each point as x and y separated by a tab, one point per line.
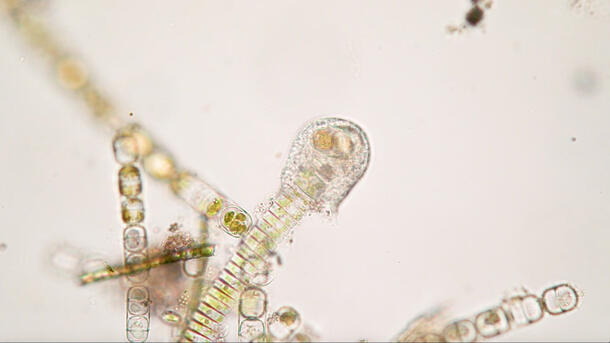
173	227
475	15
177	241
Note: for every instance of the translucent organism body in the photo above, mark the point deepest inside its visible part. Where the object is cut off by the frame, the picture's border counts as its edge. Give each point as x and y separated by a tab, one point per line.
326	160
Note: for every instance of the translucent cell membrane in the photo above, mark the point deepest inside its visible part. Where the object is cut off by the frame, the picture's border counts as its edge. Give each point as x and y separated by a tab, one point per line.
284	323
249	329
138	314
523	310
134	238
326	160
253	303
492	322
560	299
125	148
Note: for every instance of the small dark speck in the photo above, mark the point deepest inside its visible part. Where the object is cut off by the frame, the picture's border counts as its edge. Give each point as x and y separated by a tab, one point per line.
2	247
474	16
131	114
573	139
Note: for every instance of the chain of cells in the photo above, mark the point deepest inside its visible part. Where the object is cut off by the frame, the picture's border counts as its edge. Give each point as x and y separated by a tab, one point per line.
513	312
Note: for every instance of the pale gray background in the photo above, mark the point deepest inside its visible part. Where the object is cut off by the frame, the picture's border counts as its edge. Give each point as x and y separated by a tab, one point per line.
475	184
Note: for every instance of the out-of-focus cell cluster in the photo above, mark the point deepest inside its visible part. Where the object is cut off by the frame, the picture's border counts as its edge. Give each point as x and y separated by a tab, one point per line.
514	312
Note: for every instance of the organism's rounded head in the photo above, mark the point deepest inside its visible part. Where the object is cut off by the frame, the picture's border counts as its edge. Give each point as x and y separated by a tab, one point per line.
326	160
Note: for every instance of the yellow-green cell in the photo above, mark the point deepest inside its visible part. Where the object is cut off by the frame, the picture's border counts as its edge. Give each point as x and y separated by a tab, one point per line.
231	281
221	296
243	264
213	208
226	289
210	312
222	308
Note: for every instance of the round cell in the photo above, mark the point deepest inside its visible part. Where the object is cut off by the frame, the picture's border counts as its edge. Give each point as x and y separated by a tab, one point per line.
491	323
559	299
137	307
137	258
143	141
125	149
137	293
284	322
134	238
235	221
194	268
160	165
251	328
137	323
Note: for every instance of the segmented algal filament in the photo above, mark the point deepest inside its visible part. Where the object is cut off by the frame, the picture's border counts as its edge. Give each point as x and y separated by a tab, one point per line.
287	209
196	251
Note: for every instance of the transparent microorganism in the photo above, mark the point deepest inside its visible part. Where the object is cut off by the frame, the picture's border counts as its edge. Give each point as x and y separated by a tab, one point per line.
319	173
134	238
492	322
523	310
138	314
66	259
194	268
284	323
325	161
251	328
560	299
253	303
